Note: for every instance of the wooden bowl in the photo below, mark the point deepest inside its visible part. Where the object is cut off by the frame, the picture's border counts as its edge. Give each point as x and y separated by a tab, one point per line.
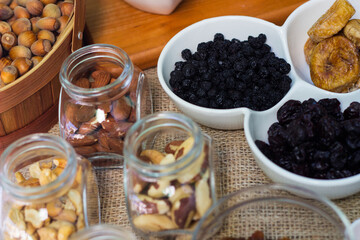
30	104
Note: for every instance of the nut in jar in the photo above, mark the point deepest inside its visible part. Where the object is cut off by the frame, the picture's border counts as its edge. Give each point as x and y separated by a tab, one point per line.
44	184
169	180
103	94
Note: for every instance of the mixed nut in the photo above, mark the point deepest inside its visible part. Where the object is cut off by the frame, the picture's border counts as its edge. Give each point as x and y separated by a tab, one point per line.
99	127
53	220
175	201
28	30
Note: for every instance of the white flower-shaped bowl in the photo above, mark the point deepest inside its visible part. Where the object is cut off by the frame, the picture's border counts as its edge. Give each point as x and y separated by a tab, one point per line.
286	42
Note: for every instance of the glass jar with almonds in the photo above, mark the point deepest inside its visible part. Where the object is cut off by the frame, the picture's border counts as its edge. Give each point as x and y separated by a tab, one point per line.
169	175
102	95
47	191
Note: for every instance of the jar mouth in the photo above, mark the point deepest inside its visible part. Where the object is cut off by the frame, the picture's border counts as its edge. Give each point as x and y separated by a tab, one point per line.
36	142
103	232
93	52
163	120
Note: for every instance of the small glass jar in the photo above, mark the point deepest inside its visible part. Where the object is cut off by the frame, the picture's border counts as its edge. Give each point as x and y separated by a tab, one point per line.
46	190
102	95
104	232
169	176
274	211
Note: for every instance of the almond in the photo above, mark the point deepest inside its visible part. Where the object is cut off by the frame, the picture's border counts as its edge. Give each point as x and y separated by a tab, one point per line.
89	127
116	129
77	140
85	113
101	78
85	150
121	109
82	82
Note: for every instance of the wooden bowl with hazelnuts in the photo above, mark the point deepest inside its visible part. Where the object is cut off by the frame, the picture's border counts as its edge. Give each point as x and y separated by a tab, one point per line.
35	38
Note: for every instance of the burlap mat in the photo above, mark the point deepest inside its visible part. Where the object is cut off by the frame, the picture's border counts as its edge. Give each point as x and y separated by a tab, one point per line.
237	168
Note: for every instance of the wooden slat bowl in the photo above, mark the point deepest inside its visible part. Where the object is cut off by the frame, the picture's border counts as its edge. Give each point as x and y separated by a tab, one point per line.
30	103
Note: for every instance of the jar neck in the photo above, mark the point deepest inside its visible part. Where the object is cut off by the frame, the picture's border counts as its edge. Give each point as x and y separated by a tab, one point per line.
30	149
103	56
149	127
103	232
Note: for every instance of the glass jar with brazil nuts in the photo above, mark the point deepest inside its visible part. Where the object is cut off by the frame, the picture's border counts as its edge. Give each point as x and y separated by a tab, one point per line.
47	191
103	232
168	175
102	95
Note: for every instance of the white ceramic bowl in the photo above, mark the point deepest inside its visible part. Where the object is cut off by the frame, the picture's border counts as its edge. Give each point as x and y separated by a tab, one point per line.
287	42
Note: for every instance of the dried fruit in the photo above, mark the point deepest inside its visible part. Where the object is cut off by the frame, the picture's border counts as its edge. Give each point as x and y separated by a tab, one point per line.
332	21
334	64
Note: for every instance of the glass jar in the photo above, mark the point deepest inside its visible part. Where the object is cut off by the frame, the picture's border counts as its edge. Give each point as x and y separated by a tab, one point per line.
103	232
169	176
47	190
102	95
274	211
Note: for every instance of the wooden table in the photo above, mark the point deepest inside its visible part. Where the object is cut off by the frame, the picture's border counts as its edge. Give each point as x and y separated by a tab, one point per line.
143	35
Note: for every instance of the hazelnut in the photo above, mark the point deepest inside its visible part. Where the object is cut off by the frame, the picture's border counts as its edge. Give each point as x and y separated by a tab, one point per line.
22	64
19	51
4	62
5	12
46	34
51	10
6	2
21	12
48	23
8	40
45	2
36	60
13	4
4	27
21	2
41	47
66	8
9	74
21	25
63	20
33	22
35	7
26	38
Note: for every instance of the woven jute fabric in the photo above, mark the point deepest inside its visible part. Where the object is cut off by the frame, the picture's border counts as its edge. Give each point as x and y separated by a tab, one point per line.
236	169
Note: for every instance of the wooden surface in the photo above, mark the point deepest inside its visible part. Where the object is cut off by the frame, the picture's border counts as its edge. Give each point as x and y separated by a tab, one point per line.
143	35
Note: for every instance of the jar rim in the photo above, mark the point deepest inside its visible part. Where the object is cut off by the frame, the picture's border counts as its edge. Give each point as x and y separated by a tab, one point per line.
103	232
38	192
67	67
151	169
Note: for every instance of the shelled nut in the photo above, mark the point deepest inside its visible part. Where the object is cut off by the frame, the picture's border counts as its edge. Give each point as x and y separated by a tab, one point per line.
5	12
4	27
36	60
35	7
4	61
48	23
41	47
66	8
63	20
46	34
8	40
21	25
22	64
9	74
51	10
21	12
19	51
26	38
